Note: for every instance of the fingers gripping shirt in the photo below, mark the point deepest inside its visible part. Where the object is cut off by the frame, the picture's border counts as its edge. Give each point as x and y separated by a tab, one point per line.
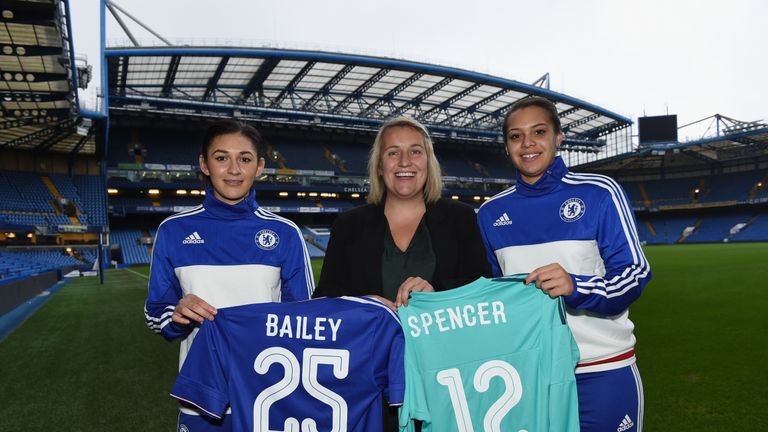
313	365
494	355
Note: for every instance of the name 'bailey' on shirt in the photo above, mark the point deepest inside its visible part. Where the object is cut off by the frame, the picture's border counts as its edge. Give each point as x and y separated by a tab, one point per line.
300	329
470	315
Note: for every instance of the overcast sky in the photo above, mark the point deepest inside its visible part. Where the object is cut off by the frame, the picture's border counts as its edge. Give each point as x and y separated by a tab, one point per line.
650	57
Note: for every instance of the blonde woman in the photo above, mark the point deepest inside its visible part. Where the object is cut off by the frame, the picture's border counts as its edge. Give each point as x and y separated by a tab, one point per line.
407	238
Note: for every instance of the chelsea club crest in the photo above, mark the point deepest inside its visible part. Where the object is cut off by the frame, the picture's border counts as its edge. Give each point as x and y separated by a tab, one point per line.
267	239
572	210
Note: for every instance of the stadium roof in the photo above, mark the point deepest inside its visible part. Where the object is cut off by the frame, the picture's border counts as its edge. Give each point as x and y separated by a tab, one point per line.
37	96
744	145
334	90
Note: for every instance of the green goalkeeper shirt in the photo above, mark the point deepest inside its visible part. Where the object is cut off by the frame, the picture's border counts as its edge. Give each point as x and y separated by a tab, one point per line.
494	355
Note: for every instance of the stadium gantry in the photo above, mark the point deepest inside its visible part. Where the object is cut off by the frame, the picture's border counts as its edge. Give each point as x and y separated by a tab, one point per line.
733	146
39	75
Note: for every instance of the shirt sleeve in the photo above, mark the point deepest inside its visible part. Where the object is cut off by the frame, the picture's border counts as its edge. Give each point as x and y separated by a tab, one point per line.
388	352
164	291
626	268
297	280
202	380
489	251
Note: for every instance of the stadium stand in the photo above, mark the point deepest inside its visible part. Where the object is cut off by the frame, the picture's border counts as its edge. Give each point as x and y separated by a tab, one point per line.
91	190
314	251
671	192
133	252
317	236
667	230
67	189
13	265
10	197
729	187
24	218
349	158
156	145
716	228
27	198
25	191
454	164
756	229
303	155
27	262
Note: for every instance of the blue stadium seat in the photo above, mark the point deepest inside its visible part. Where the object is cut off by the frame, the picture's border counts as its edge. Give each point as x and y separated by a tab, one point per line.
133	251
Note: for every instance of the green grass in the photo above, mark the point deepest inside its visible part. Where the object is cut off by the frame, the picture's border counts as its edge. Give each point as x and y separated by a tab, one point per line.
317	264
703	339
86	361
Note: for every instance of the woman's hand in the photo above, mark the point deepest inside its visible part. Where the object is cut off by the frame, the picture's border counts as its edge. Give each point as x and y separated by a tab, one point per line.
411	284
192	308
552	279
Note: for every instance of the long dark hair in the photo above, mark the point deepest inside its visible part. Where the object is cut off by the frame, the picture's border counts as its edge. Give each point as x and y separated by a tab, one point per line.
226	127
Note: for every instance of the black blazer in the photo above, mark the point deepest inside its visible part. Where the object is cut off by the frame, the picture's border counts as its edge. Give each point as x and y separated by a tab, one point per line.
352	263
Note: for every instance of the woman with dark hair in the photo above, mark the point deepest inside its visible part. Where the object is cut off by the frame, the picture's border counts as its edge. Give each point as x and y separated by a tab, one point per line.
407	238
574	235
226	252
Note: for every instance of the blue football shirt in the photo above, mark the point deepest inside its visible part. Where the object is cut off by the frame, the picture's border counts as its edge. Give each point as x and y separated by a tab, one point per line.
494	355
313	365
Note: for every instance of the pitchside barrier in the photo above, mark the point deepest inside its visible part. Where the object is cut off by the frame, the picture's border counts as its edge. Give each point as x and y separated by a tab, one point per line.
16	291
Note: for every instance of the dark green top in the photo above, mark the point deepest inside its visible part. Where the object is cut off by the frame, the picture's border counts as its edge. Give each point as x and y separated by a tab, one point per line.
417	260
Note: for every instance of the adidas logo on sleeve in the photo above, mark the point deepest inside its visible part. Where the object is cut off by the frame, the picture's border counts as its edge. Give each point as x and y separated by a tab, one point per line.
193	238
502	220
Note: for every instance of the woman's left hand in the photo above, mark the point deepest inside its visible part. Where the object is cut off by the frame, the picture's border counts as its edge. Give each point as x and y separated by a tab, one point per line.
411	284
552	279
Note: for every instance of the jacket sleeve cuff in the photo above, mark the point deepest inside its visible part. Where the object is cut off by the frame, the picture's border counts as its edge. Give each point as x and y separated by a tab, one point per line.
575	298
173	331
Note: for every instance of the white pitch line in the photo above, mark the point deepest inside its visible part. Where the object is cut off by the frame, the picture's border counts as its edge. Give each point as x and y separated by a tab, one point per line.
136	273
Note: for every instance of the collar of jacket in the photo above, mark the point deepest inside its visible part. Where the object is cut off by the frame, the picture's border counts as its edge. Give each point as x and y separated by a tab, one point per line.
223	210
547	183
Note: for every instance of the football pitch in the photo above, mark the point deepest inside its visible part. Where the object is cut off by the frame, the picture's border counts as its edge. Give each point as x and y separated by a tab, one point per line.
87	362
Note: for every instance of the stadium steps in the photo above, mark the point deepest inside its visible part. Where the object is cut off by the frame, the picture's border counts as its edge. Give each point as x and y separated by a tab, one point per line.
311	238
51	187
750	221
650	227
696	226
333	159
55	192
744	228
276	157
703	191
646	200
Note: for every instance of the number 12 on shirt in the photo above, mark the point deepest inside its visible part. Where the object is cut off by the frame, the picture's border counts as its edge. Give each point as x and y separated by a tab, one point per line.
513	392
